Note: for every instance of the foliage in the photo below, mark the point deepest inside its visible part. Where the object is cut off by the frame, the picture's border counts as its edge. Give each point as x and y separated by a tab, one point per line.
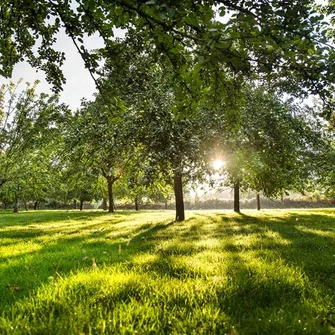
280	39
325	174
31	133
99	142
277	145
168	143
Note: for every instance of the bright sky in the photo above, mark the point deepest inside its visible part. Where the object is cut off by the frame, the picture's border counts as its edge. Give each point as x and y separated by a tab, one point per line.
79	83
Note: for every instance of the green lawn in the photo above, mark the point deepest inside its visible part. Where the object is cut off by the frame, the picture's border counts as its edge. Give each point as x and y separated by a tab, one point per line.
268	272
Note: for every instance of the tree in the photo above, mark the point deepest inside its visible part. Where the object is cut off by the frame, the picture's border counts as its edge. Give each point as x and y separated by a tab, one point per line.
275	147
99	140
30	131
323	179
326	175
174	147
82	182
285	39
170	143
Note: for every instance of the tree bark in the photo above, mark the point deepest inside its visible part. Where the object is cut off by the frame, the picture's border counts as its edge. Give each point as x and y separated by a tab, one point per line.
136	203
75	204
104	204
26	206
16	204
35	205
179	198
237	196
81	205
110	194
16	207
258	202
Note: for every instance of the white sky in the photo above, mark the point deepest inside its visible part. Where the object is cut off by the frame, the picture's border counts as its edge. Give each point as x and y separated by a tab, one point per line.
79	83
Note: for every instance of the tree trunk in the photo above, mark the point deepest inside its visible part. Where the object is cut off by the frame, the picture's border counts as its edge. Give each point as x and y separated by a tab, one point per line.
136	203
237	196
5	205
110	194
35	205
258	202
104	204
178	192
165	204
16	207
81	205
75	204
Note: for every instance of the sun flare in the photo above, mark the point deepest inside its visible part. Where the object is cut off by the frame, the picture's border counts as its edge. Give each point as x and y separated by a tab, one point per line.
217	164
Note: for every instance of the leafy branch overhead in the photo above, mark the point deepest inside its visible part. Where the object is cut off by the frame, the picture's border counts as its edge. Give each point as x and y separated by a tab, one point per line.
286	39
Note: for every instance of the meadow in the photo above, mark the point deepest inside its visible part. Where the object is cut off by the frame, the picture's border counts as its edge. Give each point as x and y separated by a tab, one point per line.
266	272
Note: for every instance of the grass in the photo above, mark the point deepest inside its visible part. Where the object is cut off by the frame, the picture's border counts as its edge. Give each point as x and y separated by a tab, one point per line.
268	272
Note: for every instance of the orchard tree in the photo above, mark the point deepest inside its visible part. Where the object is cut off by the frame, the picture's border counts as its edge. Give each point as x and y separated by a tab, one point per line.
323	180
30	133
275	148
82	182
134	185
174	147
326	175
170	142
99	139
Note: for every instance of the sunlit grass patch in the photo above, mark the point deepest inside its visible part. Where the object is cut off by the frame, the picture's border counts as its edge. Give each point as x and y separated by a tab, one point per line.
268	272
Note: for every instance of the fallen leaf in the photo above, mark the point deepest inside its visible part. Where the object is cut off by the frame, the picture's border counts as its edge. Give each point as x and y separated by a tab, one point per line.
14	287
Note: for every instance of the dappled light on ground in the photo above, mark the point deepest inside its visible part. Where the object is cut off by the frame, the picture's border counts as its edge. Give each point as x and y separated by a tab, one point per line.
266	272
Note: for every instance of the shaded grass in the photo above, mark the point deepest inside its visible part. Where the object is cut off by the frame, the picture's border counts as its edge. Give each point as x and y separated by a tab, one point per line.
270	272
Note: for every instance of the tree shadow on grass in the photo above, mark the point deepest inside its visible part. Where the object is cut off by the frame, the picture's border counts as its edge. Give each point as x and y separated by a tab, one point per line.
69	252
35	217
243	259
303	240
244	289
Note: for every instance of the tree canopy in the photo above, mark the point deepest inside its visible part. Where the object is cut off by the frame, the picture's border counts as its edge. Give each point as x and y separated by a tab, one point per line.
282	39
